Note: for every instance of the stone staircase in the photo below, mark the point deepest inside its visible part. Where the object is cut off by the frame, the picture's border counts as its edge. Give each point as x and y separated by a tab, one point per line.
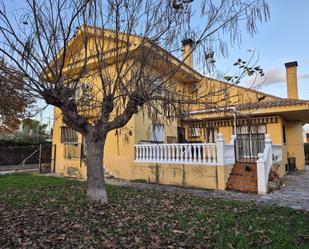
243	178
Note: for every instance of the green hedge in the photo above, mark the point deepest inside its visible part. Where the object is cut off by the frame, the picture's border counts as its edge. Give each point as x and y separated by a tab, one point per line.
5	143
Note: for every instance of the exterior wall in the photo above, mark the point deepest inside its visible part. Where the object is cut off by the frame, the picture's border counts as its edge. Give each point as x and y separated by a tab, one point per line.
227	133
198	176
295	144
223	94
119	151
74	167
119	147
275	131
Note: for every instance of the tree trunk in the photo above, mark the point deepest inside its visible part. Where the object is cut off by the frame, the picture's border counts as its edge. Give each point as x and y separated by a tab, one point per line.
95	171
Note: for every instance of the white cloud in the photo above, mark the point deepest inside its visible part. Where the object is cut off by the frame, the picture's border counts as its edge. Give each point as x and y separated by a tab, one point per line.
272	76
303	76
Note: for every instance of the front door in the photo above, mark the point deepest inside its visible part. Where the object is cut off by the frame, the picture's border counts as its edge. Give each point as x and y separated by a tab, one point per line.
181	134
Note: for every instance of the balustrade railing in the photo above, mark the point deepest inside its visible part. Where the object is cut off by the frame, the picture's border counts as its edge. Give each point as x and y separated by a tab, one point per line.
195	153
272	154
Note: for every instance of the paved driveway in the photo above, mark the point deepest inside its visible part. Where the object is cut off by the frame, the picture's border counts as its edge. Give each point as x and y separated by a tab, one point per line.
294	192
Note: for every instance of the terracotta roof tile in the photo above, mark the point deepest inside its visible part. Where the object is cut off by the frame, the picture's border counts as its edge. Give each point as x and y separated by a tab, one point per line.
272	103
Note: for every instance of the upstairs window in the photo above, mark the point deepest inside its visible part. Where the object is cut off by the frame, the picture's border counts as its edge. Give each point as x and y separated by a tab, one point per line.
157	87
68	135
193	87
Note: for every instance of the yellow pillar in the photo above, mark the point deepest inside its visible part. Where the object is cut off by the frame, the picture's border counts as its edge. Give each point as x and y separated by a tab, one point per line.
291	78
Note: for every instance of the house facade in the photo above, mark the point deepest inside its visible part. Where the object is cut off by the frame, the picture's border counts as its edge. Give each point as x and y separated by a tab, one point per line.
248	133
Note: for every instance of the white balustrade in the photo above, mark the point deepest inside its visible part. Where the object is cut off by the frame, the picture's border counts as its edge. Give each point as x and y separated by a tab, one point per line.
195	153
264	164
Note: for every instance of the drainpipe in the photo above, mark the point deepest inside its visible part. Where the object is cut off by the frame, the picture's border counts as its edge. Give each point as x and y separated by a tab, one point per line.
234	123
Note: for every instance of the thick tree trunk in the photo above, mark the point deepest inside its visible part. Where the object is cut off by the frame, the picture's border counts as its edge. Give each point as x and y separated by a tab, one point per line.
95	171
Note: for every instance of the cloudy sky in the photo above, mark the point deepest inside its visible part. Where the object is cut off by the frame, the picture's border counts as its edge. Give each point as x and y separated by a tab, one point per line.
283	39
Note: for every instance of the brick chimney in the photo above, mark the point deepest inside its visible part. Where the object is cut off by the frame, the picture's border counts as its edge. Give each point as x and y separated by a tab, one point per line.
291	79
187	52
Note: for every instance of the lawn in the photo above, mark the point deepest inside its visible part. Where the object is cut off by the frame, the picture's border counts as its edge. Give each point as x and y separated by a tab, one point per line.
47	212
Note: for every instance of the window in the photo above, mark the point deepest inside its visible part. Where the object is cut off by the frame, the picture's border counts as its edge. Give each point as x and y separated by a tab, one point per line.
68	135
283	134
72	151
252	129
158	132
211	134
194	132
157	87
193	87
171	139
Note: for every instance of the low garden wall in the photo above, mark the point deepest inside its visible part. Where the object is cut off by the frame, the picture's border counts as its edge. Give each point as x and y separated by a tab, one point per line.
198	176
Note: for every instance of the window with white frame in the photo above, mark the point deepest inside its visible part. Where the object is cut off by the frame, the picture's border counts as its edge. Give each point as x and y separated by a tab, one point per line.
158	132
194	132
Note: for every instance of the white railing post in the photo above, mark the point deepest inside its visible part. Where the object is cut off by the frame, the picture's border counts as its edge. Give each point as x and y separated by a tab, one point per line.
189	151
261	175
268	143
220	149
264	164
177	153
233	138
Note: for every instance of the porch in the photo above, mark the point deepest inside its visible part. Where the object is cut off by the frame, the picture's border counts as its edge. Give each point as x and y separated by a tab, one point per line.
219	155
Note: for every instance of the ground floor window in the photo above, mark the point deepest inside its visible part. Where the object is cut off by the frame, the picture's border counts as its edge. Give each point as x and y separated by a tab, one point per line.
211	134
72	151
68	135
194	132
158	132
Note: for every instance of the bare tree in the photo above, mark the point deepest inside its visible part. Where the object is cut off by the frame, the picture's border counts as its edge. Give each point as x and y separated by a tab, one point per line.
117	44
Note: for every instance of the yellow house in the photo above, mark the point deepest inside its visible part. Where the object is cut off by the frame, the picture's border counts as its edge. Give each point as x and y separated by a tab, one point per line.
232	145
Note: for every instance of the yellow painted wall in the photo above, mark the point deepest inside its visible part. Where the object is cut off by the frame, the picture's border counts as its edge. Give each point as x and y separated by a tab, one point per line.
198	176
227	132
69	167
119	148
275	131
222	94
292	88
295	144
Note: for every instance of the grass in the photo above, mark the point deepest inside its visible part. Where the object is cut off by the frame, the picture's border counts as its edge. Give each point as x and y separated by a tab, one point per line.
48	212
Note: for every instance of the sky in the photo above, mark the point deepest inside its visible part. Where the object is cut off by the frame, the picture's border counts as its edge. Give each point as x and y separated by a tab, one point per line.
284	38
